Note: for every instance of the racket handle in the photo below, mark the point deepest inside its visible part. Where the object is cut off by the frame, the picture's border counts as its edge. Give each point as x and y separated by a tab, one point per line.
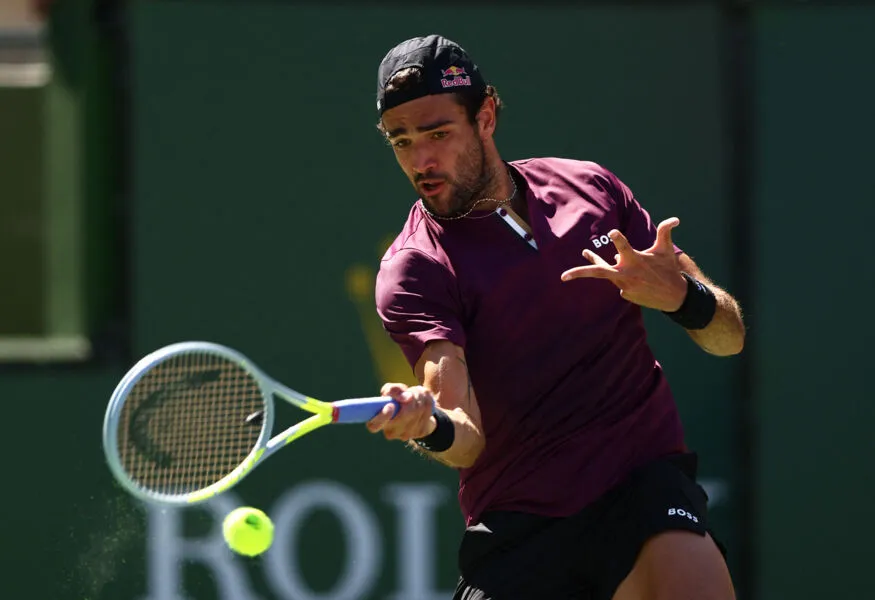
361	410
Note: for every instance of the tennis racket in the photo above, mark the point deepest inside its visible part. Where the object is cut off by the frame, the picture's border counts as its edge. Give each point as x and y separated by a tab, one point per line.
191	420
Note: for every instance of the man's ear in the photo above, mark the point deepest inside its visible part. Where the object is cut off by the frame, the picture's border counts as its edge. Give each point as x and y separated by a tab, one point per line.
486	118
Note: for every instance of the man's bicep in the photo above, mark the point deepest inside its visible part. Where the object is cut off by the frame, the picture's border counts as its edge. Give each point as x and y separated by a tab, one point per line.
417	301
443	369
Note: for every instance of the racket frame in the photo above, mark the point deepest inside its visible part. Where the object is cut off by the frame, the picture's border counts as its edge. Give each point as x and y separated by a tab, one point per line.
323	414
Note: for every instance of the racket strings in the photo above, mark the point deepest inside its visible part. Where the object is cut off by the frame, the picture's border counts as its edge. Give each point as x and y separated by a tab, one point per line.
184	425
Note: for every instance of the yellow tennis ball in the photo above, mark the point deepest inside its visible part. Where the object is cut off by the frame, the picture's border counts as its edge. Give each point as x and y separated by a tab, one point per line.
248	531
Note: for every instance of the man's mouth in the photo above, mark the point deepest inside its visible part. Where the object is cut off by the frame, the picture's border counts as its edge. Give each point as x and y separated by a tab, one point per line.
431	187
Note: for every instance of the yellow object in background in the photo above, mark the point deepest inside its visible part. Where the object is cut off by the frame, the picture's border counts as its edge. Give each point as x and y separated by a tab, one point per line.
248	531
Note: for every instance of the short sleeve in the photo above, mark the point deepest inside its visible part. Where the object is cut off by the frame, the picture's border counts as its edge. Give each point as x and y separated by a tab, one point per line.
417	300
636	223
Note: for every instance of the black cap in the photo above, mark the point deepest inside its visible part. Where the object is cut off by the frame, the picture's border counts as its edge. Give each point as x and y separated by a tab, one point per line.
445	65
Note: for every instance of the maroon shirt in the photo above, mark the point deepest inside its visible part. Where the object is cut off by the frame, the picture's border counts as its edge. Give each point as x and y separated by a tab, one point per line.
570	393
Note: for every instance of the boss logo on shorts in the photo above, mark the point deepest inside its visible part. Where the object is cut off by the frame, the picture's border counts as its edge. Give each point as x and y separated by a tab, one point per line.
682	513
600	241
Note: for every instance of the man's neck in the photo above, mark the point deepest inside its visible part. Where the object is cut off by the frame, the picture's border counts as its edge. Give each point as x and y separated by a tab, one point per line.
519	204
500	190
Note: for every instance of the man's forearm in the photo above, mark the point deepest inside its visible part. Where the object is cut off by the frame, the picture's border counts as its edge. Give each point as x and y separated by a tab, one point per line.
468	442
724	335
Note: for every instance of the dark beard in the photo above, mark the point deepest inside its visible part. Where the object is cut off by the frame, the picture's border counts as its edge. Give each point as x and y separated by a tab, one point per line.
471	183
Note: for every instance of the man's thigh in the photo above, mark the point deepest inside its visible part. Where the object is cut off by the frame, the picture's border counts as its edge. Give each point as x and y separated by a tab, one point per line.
678	565
658	540
588	556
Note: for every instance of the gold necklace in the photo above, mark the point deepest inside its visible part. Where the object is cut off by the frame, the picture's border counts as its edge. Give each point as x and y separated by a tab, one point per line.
473	206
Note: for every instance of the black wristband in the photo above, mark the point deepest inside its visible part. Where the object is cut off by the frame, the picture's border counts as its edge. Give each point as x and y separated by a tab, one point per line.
698	308
443	435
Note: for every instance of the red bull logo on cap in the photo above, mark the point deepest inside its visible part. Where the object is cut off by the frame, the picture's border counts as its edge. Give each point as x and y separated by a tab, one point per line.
454	76
454	72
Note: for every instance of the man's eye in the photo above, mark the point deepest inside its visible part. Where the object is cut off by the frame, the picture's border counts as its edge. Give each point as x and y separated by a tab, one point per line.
400	143
439	135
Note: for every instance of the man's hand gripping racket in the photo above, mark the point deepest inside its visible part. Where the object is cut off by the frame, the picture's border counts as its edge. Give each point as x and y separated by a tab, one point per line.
190	420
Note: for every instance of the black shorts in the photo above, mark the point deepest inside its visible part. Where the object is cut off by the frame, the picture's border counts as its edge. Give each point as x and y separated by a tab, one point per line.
517	556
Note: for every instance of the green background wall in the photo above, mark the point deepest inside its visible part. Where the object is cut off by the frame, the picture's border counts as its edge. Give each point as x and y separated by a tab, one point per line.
256	153
261	198
814	207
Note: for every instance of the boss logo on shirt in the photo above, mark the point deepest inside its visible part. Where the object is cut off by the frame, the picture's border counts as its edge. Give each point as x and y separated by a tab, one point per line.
600	241
682	513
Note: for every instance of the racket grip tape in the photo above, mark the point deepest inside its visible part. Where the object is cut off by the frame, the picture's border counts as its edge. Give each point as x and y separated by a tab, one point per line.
361	410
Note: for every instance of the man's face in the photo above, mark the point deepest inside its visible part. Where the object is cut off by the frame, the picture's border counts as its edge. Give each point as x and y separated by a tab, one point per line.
440	151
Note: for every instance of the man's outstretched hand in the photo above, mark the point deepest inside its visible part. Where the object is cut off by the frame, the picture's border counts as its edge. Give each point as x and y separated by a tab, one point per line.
650	278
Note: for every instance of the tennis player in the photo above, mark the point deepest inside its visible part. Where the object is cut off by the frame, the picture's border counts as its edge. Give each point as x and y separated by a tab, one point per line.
515	290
